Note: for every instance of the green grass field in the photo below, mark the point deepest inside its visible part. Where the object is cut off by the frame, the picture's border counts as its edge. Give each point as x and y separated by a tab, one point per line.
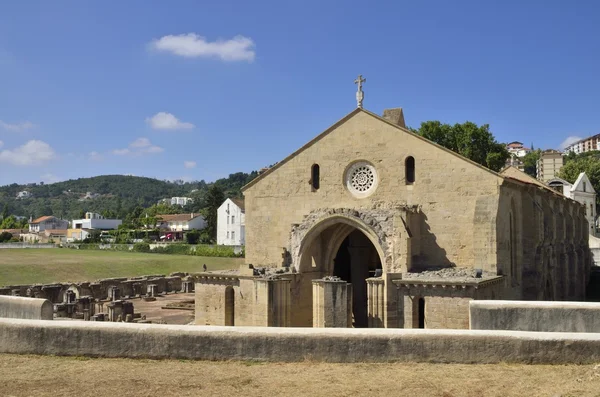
29	266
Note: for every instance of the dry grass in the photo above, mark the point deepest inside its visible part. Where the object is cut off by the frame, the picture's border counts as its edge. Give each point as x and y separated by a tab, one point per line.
28	266
58	376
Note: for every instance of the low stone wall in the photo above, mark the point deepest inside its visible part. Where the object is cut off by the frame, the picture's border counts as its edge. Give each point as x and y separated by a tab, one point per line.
535	316
26	245
25	308
98	339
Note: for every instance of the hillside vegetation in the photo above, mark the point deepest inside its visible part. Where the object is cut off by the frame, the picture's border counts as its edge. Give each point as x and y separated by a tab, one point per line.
117	194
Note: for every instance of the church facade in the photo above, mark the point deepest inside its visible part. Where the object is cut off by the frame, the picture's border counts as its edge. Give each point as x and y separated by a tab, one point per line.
414	230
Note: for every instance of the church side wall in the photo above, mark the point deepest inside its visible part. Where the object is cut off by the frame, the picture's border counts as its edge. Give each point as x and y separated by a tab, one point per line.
458	200
551	253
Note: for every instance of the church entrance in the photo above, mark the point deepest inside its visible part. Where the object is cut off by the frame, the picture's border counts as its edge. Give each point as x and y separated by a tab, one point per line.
355	261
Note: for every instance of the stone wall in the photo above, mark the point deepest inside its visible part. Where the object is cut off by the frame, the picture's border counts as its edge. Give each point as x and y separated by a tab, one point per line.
535	316
242	300
25	308
100	339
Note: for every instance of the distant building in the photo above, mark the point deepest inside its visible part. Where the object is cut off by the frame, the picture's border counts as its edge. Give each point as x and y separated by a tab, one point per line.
515	161
96	221
47	223
182	201
174	227
581	191
24	195
231	223
550	162
584	145
517	149
89	196
77	234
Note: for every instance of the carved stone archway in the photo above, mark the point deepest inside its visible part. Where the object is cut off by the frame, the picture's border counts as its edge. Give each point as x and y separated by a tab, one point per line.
383	227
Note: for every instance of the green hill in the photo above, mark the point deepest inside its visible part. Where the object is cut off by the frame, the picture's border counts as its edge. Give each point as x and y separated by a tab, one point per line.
119	194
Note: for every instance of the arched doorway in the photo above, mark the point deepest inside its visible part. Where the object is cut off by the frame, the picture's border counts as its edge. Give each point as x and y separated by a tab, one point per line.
355	261
341	246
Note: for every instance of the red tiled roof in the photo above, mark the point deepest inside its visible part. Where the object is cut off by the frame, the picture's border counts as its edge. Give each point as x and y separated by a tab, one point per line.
178	217
56	231
41	219
13	231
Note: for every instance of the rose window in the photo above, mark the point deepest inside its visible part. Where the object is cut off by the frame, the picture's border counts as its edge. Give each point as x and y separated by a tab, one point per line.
361	179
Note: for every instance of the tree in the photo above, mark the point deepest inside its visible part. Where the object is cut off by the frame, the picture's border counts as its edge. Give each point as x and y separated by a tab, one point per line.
214	199
474	142
10	222
5	212
588	164
530	162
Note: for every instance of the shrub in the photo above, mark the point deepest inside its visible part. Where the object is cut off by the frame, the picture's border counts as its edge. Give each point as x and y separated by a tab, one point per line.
141	247
5	236
174	249
215	250
192	237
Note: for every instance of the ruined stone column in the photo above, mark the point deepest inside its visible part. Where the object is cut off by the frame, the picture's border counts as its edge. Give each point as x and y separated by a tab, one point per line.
376	302
274	300
332	303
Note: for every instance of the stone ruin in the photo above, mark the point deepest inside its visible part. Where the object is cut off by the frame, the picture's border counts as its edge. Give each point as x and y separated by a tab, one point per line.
105	299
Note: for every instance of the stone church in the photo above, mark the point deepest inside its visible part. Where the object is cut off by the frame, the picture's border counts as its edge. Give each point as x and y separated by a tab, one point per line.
371	225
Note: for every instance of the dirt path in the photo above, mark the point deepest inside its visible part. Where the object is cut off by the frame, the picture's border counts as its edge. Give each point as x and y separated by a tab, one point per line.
60	376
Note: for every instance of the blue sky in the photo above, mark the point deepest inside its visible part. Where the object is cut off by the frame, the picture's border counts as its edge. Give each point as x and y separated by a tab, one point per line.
198	90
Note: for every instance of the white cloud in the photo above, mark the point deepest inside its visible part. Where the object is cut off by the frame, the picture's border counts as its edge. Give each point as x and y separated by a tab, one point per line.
120	152
1	143
153	149
33	152
569	141
140	143
95	156
17	127
137	147
191	45
167	121
189	164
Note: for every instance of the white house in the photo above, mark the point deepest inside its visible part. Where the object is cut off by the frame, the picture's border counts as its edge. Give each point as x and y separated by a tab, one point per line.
177	201
24	194
47	223
231	223
173	227
181	200
96	221
581	191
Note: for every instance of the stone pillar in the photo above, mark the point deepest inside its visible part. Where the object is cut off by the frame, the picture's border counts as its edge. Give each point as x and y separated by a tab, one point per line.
152	290
376	302
273	302
393	315
332	303
187	286
115	294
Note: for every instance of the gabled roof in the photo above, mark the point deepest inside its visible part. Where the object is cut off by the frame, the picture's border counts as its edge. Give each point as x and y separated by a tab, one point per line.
342	121
178	217
240	203
511	172
41	219
580	179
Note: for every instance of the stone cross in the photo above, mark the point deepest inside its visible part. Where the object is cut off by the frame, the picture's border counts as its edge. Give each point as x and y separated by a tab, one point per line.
360	95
